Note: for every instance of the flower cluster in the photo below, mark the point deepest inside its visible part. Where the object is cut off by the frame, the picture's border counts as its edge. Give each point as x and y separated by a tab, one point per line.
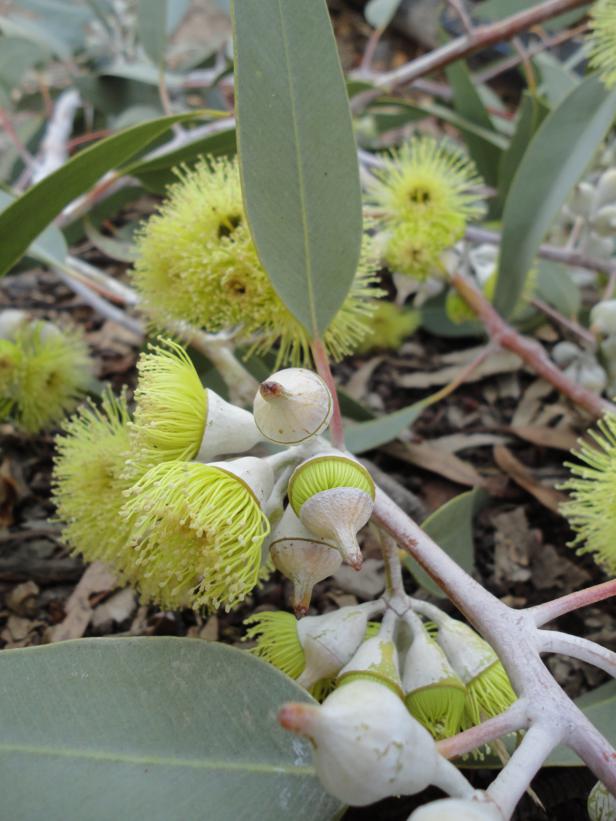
197	262
145	496
449	678
44	371
424	195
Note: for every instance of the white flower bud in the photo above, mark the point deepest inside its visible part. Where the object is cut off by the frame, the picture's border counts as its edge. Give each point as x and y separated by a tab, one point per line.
292	405
601	804
581	200
604	221
366	745
603	317
596	246
330	641
484	261
10	322
477	808
376	659
333	495
228	429
302	558
606	188
564	353
588	373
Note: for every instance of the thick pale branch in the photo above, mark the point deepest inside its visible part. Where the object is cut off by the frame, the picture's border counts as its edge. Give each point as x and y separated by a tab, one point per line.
553	641
543	613
508	722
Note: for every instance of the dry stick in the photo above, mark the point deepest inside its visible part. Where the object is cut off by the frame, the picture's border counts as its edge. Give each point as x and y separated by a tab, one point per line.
514	636
480	37
570	324
528	350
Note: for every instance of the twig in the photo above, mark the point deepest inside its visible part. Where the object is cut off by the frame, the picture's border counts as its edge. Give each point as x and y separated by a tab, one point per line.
54	145
552	252
548	611
528	350
553	641
508	722
321	361
570	324
393	567
480	37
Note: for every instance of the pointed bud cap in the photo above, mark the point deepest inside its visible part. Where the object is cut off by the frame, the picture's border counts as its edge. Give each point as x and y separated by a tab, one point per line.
434	694
302	558
330	641
333	495
366	746
292	406
601	804
477	808
375	660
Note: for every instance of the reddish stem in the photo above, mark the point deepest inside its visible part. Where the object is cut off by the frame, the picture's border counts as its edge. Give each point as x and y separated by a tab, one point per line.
543	613
321	361
462	743
528	350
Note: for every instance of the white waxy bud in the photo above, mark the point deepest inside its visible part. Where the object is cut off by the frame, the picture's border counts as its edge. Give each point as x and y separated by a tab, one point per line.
292	406
333	495
587	373
366	745
330	641
601	804
302	558
564	353
477	808
606	189
596	246
603	317
581	201
468	653
604	221
10	322
228	429
484	261
255	473
376	659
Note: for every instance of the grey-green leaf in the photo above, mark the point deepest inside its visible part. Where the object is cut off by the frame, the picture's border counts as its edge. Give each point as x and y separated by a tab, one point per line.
380	13
599	706
297	153
557	156
29	215
152	28
451	526
372	433
150	728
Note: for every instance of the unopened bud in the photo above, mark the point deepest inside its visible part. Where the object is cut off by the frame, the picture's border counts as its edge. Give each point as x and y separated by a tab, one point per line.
375	660
366	746
604	221
302	558
292	405
603	317
477	808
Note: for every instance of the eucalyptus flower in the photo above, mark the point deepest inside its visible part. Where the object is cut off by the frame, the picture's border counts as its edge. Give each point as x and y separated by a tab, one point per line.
44	372
591	509
177	418
197	531
197	262
602	42
425	193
